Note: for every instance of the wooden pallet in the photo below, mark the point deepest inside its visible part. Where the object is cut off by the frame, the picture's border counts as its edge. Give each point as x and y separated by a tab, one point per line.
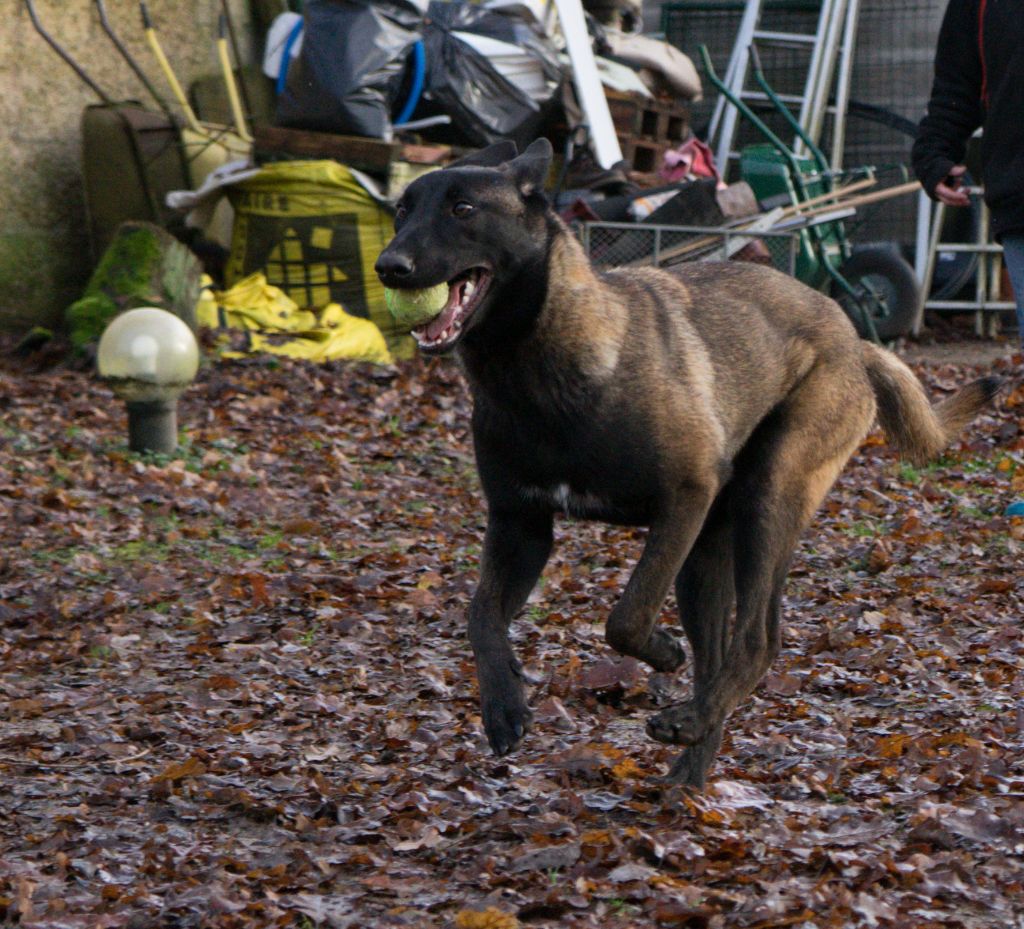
645	157
649	119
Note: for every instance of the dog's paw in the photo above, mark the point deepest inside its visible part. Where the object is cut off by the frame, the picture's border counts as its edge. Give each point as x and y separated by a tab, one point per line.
507	720
687	770
691	767
681	724
664	652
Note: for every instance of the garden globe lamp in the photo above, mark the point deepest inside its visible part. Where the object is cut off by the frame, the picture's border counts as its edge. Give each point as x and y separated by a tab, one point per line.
149	356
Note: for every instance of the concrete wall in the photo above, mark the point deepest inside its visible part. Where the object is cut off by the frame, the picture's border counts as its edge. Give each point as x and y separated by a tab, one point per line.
44	253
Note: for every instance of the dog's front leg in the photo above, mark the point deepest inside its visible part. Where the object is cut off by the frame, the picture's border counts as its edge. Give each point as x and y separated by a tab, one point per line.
631	628
516	548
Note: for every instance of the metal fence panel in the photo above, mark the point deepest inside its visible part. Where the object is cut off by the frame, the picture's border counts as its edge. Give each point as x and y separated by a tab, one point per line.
619	244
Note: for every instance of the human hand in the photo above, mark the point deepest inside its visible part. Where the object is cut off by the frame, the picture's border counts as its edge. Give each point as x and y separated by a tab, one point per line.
949	190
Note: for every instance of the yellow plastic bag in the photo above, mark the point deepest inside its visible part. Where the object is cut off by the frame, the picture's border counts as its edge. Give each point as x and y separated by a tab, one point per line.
253	304
315	232
344	337
273	323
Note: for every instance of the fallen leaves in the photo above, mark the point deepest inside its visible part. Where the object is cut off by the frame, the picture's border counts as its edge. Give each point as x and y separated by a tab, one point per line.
236	689
177	771
491	918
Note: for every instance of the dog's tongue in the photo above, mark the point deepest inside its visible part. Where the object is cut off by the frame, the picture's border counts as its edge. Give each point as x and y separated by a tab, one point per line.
439	323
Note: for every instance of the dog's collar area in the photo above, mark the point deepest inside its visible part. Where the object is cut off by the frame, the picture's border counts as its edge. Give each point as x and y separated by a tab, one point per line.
465	291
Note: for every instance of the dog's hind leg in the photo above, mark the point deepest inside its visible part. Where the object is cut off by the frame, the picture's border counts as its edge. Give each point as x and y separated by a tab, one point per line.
780	479
516	548
706	596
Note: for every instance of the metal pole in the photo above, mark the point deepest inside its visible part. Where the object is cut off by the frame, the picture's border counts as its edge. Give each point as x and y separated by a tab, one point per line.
923	235
153	426
843	84
101	7
929	266
735	77
981	282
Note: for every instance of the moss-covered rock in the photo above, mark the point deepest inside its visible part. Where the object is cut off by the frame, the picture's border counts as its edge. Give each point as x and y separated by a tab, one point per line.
144	266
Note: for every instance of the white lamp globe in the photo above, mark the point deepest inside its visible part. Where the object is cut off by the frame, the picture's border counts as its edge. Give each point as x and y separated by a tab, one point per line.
147	354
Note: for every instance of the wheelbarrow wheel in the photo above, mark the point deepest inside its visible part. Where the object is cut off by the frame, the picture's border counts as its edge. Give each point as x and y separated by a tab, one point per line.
887	288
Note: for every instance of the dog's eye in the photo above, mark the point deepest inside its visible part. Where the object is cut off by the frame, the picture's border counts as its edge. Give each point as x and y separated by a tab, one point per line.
462	208
400	211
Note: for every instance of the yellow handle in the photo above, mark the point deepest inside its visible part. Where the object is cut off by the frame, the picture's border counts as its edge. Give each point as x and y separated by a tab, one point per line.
179	94
229	80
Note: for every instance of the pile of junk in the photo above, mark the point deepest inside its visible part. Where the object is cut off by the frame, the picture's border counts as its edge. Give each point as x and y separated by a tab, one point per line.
254	202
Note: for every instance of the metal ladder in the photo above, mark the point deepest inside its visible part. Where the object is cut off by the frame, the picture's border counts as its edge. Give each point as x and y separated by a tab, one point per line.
831	44
986	303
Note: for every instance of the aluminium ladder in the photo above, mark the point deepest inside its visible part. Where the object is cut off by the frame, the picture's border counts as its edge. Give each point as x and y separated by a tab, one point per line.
830	45
987	303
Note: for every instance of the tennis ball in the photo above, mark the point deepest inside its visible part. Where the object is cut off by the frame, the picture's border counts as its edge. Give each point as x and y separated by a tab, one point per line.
411	308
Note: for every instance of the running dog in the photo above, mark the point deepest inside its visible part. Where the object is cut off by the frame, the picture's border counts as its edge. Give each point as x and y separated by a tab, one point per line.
715	404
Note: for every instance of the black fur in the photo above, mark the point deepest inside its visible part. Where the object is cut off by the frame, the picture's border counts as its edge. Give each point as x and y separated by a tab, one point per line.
715	407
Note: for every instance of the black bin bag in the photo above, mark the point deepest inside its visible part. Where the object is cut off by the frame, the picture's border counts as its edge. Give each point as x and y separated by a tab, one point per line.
349	73
483	105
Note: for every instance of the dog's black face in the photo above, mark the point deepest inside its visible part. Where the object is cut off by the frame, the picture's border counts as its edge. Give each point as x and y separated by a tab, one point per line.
475	226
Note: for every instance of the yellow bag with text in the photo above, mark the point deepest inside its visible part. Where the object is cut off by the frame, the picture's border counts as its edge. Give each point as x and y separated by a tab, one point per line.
254	316
313	229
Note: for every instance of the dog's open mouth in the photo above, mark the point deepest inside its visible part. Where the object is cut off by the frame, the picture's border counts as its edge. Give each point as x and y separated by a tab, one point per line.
465	291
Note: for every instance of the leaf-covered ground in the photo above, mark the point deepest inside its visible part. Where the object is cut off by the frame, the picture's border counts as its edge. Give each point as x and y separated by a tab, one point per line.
235	689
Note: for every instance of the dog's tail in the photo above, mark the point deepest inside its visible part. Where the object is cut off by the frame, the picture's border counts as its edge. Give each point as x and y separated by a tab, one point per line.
919	430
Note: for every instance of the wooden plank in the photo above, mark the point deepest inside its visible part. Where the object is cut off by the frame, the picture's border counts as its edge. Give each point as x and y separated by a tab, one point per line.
364	154
426	154
874	197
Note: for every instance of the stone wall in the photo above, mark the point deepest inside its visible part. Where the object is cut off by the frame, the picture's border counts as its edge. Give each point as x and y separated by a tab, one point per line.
44	250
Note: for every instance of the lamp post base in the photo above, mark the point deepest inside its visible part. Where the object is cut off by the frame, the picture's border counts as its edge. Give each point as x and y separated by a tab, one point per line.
153	426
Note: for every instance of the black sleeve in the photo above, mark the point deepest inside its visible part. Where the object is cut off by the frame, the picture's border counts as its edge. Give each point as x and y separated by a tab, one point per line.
955	109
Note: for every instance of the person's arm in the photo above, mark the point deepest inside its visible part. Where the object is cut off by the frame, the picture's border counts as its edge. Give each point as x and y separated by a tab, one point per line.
955	109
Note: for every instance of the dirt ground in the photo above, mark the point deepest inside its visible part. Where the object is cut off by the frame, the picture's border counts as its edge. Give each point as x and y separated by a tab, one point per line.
974	352
950	339
236	693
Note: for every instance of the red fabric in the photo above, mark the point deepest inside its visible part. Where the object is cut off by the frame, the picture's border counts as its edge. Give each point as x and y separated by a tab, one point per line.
691	159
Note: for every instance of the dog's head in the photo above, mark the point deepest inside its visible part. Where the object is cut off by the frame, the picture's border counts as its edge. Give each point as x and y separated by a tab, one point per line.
476	226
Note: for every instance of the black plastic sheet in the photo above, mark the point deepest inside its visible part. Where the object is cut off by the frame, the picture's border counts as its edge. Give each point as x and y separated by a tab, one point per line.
484	106
349	75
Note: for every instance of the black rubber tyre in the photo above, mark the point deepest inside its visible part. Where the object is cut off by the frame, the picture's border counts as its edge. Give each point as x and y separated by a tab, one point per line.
883	271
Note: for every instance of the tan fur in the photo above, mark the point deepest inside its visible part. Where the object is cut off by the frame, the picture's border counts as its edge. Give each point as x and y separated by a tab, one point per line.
919	430
714	404
582	316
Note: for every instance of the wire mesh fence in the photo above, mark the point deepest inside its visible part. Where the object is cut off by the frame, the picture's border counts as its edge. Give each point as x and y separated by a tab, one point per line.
619	244
891	81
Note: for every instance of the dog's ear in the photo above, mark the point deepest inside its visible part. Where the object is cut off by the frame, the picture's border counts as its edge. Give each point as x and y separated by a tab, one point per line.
490	157
530	169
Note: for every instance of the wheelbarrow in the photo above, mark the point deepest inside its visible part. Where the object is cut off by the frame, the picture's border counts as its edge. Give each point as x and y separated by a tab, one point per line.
873	284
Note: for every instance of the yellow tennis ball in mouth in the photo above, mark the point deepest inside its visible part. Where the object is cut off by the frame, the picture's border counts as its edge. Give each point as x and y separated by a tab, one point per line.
411	308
